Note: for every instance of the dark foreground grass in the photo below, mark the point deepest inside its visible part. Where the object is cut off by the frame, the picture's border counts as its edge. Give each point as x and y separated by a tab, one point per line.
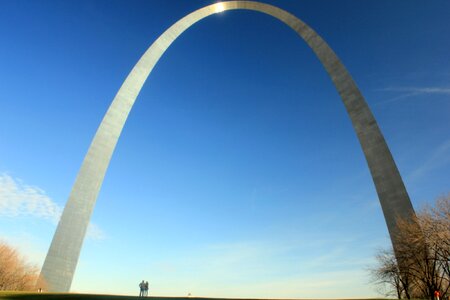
72	296
65	296
57	296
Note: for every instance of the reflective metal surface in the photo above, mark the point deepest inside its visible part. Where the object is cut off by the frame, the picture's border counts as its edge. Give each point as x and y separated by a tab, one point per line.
62	257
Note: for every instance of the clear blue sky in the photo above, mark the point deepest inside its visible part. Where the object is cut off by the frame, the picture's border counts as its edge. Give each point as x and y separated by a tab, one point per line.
238	173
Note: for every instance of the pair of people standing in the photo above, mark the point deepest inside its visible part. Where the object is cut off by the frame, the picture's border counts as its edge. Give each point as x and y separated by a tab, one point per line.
143	286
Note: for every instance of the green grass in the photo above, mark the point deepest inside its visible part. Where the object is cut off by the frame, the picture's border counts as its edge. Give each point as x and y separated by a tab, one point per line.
73	296
62	296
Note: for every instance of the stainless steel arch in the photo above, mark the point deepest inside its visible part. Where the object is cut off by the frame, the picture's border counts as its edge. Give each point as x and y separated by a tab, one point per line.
62	257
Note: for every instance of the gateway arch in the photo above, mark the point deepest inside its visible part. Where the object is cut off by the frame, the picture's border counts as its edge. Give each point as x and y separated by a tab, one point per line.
62	257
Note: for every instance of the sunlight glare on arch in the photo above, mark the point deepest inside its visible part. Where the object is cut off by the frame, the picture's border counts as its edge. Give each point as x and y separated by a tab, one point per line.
219	7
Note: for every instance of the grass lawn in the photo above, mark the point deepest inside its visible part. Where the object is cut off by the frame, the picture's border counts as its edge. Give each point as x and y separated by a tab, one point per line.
55	296
72	296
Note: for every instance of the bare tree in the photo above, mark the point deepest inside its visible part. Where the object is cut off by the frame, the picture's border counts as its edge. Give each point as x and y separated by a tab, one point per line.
415	258
423	254
15	273
435	224
388	276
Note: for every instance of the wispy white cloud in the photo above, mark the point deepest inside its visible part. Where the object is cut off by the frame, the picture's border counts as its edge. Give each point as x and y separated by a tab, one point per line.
20	199
94	232
438	158
408	92
424	90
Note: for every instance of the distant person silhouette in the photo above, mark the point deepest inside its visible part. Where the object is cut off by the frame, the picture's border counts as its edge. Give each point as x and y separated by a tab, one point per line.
141	288
146	289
